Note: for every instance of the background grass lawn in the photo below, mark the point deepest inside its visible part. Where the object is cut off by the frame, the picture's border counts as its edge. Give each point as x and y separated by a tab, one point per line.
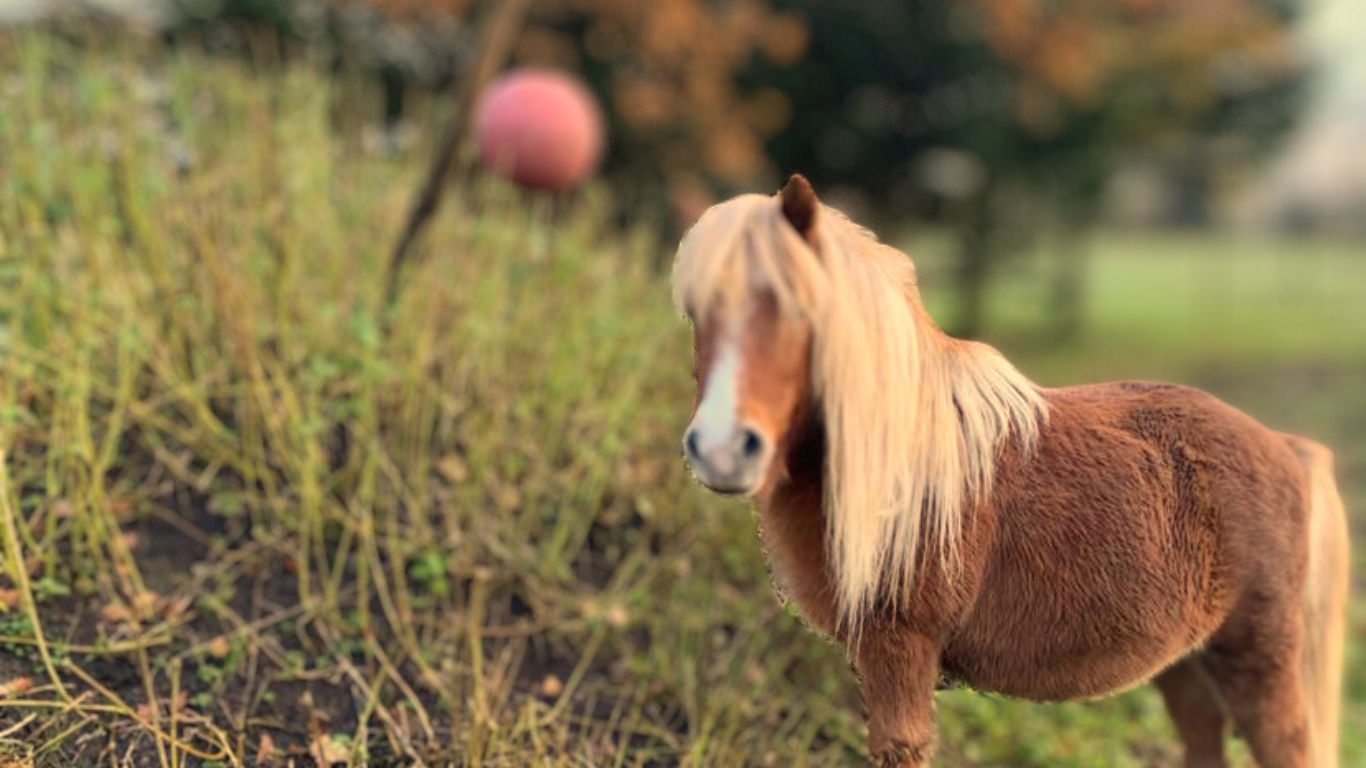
248	508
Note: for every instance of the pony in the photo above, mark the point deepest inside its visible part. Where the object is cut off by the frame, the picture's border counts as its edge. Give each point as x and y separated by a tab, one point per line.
926	506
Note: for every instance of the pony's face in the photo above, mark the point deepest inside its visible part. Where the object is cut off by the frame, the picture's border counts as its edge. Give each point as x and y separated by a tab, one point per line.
752	367
752	370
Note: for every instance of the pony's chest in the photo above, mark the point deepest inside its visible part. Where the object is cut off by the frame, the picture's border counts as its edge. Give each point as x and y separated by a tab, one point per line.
793	535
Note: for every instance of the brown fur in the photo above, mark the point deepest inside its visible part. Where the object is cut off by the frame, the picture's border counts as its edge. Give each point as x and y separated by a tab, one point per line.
1154	532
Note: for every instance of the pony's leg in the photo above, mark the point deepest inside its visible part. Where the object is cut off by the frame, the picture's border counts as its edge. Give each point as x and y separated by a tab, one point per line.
898	670
1197	712
1257	670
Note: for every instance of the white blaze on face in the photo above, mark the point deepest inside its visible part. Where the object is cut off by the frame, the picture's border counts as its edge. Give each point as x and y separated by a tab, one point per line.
717	414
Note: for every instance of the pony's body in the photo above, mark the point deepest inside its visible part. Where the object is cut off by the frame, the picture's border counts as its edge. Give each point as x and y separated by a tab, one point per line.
927	506
1129	540
1103	558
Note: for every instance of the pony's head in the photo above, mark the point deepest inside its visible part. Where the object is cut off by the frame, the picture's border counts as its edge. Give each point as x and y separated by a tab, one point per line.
744	277
800	315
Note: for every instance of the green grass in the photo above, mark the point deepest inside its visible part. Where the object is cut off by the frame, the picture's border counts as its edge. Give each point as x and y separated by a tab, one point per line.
230	472
1158	304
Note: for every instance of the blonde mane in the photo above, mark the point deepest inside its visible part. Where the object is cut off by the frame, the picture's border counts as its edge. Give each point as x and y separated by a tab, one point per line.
914	419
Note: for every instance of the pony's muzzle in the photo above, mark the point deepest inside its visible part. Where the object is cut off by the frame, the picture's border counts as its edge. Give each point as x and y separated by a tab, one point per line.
732	463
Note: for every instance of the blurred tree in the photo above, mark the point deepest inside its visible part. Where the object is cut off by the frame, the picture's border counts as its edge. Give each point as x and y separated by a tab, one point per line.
1004	118
667	72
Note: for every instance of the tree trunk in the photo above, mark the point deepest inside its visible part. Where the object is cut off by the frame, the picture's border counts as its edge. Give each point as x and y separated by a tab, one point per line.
973	268
977	253
1068	310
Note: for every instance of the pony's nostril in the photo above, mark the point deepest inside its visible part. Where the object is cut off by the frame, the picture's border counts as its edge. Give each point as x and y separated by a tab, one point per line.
690	444
753	444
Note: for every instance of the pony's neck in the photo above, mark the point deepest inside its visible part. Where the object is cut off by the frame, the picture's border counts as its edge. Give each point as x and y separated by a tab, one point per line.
912	442
793	525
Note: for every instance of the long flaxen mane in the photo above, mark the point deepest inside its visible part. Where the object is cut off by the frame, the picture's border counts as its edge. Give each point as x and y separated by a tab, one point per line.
914	419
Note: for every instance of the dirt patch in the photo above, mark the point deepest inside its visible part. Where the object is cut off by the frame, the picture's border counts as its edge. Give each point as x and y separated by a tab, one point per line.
248	667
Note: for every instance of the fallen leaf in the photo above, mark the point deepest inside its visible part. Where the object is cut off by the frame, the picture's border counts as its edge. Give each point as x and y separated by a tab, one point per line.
115	613
173	609
219	648
265	750
145	602
328	750
454	469
509	498
9	599
551	687
16	687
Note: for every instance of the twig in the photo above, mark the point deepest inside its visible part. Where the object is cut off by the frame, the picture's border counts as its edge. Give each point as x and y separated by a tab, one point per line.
113	649
576	676
19	573
504	23
148	724
244	629
17	727
372	703
154	710
388	666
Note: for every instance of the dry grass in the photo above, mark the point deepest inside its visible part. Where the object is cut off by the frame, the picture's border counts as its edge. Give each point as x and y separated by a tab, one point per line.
231	472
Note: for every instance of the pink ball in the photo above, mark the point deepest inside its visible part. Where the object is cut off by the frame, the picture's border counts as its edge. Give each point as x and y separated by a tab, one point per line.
540	128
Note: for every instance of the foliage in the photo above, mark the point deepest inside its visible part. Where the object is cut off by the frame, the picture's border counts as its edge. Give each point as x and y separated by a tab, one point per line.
213	428
1022	84
1006	117
1002	117
667	72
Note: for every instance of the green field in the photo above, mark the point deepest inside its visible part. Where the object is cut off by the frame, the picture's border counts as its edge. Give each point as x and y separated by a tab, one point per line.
248	507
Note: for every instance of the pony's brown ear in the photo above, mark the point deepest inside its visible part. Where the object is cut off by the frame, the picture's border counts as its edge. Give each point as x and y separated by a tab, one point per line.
800	206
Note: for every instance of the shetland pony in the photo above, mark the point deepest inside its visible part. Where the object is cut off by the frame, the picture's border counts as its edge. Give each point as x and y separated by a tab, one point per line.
931	509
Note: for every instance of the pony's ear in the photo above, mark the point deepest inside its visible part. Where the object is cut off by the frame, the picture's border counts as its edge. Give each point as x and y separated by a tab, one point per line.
800	207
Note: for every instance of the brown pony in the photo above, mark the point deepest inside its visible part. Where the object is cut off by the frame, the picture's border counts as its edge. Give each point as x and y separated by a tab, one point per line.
929	507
